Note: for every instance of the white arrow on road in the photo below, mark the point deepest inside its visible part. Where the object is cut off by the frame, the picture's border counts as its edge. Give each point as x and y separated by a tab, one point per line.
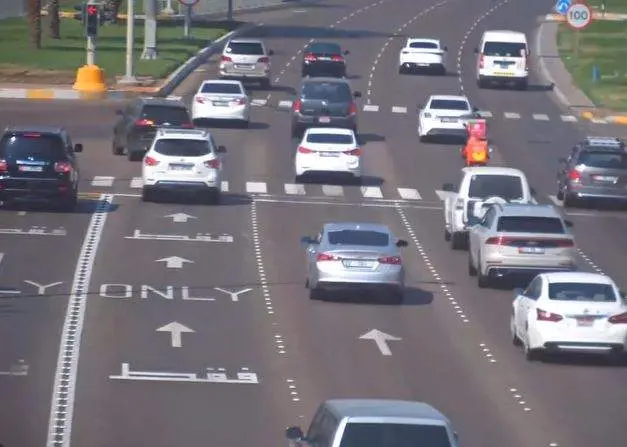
174	262
180	217
381	339
175	329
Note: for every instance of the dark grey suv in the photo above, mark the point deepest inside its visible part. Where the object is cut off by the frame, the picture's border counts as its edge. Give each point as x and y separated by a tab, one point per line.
324	102
596	169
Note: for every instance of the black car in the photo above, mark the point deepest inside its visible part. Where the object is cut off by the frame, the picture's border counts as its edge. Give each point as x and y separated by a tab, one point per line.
39	164
324	59
134	132
324	102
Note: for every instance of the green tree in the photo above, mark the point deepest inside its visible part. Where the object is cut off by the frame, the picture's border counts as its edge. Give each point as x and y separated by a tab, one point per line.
115	5
34	20
55	20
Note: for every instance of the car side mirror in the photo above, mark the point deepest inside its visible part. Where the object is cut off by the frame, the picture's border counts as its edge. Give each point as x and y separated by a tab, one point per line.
294	433
445	48
568	223
221	150
518	291
346	52
448	187
78	147
401	243
476	50
357	94
270	52
119	112
307	240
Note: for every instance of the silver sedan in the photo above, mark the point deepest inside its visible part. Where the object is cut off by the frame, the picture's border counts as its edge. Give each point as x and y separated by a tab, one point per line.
355	255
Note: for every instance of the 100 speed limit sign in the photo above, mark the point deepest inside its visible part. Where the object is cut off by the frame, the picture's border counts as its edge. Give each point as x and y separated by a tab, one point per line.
578	16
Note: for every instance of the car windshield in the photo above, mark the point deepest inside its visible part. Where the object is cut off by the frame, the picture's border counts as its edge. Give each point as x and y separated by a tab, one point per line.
324	48
166	115
220	87
330	138
251	48
504	49
182	147
577	291
484	186
35	145
330	91
361	434
530	224
359	237
428	45
604	159
449	104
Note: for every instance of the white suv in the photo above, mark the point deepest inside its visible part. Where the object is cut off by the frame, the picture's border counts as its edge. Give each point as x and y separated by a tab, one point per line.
183	160
503	58
246	60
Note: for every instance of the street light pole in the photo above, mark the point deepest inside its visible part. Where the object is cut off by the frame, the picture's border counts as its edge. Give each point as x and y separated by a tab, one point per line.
129	76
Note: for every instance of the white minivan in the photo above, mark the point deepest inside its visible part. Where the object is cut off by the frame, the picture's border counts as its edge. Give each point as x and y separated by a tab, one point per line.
503	58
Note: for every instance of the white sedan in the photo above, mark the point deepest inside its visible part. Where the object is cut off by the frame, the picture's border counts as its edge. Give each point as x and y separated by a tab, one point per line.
570	312
422	54
445	116
328	150
221	100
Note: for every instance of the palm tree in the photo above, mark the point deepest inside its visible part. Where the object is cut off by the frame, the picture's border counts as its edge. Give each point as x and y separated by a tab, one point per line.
55	21
34	19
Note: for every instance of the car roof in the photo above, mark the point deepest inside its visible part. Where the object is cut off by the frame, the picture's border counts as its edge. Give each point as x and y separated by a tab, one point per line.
221	81
322	42
493	170
185	134
422	39
384	408
325	79
585	277
510	35
449	98
56	130
162	102
244	40
593	142
529	209
329	130
339	226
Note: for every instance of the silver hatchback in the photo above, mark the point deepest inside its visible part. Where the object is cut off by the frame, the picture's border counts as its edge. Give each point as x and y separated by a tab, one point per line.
246	60
354	255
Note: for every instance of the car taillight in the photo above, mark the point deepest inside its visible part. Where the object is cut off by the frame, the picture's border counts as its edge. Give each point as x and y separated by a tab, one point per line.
497	240
543	315
187	126
200	99
574	176
63	167
352	110
337	59
310	57
618	319
564	243
394	260
264	60
240	101
297	105
304	150
327	257
226	59
149	161
481	61
4	166
213	164
144	122
356	152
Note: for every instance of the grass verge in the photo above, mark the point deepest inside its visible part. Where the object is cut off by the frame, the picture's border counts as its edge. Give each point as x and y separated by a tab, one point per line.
619	6
56	62
602	44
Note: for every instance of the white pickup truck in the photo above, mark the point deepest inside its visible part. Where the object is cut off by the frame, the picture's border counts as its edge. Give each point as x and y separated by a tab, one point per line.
480	187
422	54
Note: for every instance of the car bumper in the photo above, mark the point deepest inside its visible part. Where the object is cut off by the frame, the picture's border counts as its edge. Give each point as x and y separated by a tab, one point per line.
324	68
391	278
241	113
181	186
551	337
34	189
303	121
420	65
596	192
242	75
304	164
504	78
437	128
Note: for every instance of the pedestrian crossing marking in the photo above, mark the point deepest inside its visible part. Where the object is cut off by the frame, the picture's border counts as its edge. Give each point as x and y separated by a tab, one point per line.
442	195
136	183
332	190
285	104
569	118
224	186
259	102
102	181
371	108
399	109
256	188
295	189
485	114
371	192
540	117
409	193
512	115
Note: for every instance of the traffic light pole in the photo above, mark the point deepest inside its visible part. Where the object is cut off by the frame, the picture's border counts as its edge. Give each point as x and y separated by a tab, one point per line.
129	76
91	50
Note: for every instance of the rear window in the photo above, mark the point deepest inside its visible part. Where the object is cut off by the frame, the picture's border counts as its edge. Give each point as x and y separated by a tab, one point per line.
329	138
251	48
449	104
174	116
508	187
230	89
360	434
330	91
428	45
324	48
359	237
504	49
530	224
35	145
575	291
603	159
182	148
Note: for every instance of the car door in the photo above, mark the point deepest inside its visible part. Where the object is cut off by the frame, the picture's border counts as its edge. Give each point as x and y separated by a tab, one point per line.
481	231
528	302
311	252
566	166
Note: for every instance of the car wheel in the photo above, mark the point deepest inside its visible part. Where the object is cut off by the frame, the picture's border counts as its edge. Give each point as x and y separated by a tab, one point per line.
560	194
316	294
442	71
522	85
245	124
147	195
481	83
115	149
483	281
569	201
297	132
512	328
447	235
69	204
458	241
402	70
134	155
531	355
213	197
472	271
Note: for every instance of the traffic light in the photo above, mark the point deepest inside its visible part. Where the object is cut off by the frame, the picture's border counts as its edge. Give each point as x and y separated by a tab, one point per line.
92	20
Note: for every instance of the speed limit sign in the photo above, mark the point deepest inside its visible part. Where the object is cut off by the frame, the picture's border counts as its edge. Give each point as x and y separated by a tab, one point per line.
578	16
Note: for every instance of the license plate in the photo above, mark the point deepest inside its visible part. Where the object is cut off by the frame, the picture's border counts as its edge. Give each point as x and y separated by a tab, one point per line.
422	65
324	58
245	66
359	264
324	119
449	120
31	168
177	167
220	103
585	322
328	154
605	178
531	250
503	73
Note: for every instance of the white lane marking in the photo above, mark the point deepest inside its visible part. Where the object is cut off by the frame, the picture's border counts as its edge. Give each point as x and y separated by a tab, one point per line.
256	187
409	194
371	108
512	115
371	192
442	195
332	190
224	186
294	189
569	118
599	121
259	102
540	117
485	114
103	181
285	104
136	183
399	109
556	201
63	391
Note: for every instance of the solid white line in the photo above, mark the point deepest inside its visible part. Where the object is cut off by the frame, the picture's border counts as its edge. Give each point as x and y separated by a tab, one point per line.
443	195
256	188
371	108
63	391
224	186
512	115
399	109
103	181
294	189
136	183
540	117
332	190
371	192
409	193
1	257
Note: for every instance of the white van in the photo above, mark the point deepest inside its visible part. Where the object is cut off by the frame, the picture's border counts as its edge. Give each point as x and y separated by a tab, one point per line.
503	58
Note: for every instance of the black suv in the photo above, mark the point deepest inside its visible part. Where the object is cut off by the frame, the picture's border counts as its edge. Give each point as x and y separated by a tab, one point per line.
134	132
39	163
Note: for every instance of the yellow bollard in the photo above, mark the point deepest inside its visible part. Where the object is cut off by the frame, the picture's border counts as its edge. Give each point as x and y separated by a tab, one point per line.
90	79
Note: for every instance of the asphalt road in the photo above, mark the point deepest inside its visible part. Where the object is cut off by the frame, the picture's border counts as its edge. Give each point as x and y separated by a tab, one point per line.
240	285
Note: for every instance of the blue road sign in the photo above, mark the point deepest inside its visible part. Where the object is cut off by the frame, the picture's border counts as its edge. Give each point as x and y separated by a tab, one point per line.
561	6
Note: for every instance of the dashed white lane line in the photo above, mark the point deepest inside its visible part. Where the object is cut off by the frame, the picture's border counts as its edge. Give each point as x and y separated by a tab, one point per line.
399	109
485	114
520	400
371	108
256	187
512	115
540	117
569	118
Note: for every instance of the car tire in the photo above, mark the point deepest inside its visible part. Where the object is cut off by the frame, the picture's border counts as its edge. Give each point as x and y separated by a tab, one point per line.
457	241
397	296
147	195
442	71
244	124
512	329
447	235
483	281
472	270
481	83
135	155
531	355
522	85
569	201
297	132
214	197
402	70
560	194
115	149
68	205
316	294
265	84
